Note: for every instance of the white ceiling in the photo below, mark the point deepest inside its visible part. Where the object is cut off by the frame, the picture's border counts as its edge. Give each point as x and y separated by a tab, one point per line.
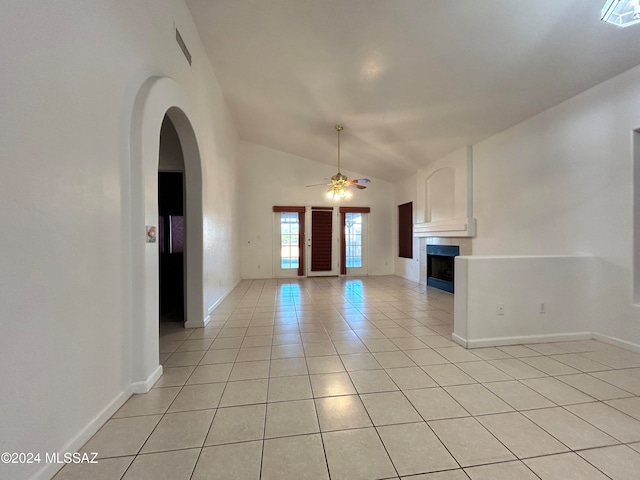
410	80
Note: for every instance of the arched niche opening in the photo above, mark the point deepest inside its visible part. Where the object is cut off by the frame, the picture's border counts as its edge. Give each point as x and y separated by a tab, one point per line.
440	195
157	99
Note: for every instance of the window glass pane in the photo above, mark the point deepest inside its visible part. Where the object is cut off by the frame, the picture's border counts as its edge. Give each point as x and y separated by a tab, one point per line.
353	240
289	238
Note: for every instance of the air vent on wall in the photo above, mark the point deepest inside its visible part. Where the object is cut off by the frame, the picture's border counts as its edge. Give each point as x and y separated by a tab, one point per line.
183	47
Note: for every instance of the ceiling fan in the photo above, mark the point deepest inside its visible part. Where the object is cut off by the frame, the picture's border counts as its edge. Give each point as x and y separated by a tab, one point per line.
338	188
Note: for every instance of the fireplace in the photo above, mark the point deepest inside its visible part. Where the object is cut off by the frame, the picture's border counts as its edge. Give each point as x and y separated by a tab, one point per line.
440	266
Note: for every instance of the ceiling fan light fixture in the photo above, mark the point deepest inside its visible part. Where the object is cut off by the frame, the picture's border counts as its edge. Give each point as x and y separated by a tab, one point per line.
340	185
337	192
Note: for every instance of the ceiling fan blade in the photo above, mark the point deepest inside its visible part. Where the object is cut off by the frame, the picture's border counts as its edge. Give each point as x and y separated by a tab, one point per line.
361	180
359	187
318	185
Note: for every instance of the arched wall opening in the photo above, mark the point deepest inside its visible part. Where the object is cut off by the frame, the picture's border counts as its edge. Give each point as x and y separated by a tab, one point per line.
160	96
171	229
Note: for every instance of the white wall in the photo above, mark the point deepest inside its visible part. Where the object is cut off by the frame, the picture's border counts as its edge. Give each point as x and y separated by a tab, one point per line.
561	183
521	284
71	72
271	177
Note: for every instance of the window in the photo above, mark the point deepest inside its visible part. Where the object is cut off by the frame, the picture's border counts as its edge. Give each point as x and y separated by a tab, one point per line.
405	230
353	239
289	240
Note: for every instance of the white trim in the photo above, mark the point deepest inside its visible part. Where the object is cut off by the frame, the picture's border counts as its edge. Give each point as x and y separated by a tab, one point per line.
458	227
197	324
617	342
558	337
211	308
76	443
222	297
502	341
146	385
459	340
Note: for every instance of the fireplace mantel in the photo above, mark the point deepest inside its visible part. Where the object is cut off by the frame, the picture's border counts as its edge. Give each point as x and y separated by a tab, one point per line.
458	227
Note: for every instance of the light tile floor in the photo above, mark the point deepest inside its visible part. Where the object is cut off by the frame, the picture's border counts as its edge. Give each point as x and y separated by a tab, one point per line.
358	379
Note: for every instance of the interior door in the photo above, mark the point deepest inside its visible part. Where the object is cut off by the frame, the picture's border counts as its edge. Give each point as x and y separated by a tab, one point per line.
321	242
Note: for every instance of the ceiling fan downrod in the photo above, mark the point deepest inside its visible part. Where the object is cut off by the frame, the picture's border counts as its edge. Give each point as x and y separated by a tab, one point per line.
339	128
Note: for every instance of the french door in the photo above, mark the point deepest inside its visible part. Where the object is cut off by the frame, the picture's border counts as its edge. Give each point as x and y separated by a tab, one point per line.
355	244
354	241
289	258
321	242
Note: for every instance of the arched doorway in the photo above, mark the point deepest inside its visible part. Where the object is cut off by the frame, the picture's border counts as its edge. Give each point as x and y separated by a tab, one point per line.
159	97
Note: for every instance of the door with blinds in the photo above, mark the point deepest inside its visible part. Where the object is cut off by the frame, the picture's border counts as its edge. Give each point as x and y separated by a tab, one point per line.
321	243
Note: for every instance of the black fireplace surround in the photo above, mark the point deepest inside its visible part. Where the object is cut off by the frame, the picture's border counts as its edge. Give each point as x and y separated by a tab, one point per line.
440	266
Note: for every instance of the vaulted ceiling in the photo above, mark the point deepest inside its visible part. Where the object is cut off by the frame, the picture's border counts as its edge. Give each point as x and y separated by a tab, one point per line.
410	80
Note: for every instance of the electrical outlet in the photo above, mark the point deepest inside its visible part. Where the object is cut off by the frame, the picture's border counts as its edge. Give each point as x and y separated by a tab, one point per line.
500	309
543	307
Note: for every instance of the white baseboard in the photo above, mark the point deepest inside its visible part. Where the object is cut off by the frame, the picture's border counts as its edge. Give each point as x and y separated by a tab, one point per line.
459	340
146	385
219	301
406	277
207	318
76	443
502	341
560	337
634	347
196	323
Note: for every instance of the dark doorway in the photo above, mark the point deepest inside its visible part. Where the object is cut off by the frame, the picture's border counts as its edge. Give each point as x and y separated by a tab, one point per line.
171	241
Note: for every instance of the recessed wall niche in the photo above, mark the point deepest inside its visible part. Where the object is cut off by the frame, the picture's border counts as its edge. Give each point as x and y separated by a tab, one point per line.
445	197
440	195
